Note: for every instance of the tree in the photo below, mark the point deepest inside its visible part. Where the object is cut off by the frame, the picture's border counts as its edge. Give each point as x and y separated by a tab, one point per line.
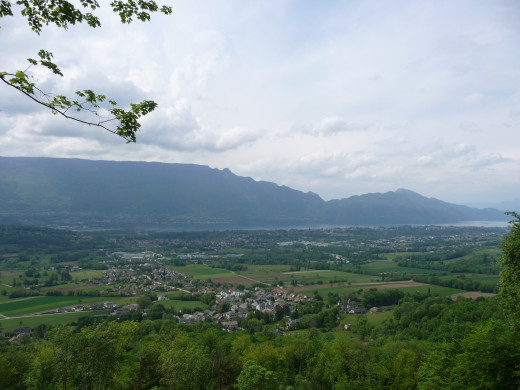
510	274
61	13
256	377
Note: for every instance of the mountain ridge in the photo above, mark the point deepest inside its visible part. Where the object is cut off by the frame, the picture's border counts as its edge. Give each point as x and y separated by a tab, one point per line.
54	191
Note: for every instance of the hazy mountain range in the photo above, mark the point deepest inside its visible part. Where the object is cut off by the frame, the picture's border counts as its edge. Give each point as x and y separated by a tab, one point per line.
74	192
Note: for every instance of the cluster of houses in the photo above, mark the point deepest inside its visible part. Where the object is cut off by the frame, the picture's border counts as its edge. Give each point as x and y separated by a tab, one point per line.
89	306
132	279
350	308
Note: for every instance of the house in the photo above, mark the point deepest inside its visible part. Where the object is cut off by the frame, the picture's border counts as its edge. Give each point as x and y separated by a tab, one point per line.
373	310
187	319
292	323
61	310
346	307
230	325
133	306
231	314
358	310
20	331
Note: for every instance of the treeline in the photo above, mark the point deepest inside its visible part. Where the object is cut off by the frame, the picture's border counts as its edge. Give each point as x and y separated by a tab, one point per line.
460	283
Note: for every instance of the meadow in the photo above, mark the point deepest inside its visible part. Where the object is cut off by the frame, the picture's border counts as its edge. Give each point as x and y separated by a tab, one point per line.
86	274
432	289
202	271
389	266
180	305
45	303
55	319
280	273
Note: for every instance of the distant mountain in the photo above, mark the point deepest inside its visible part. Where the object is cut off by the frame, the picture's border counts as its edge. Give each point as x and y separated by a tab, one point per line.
507	205
403	207
73	192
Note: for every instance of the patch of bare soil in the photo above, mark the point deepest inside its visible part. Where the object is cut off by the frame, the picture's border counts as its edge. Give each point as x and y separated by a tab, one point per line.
82	287
235	280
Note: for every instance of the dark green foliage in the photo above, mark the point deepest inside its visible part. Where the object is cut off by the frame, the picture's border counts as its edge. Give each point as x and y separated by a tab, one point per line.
487	358
510	274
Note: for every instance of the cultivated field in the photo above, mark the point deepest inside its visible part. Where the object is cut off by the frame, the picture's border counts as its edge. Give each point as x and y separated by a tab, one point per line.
47	319
46	303
273	274
389	266
406	286
179	305
201	271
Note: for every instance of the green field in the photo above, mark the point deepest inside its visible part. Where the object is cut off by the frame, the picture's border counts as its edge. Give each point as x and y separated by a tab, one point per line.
8	290
435	290
391	256
389	266
47	319
6	277
87	274
274	274
43	303
201	271
258	270
178	304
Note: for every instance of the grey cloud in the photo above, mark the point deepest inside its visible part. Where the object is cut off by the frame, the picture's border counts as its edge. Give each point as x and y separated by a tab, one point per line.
486	160
330	164
467	156
330	126
177	128
471	127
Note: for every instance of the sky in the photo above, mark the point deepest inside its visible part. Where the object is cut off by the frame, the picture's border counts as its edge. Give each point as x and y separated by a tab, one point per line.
336	97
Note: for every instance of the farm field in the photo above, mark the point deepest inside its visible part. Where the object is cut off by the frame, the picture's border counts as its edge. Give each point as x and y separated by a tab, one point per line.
406	286
6	277
74	287
275	274
87	274
393	255
372	318
56	319
18	276
8	290
490	252
389	266
257	270
179	305
43	303
201	271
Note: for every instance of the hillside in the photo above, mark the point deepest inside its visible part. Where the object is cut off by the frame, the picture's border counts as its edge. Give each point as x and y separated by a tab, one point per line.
75	192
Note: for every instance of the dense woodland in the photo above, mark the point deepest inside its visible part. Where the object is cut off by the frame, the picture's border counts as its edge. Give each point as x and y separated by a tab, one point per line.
427	341
430	343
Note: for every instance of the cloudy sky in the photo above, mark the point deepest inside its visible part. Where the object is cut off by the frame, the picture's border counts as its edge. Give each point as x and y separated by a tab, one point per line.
336	97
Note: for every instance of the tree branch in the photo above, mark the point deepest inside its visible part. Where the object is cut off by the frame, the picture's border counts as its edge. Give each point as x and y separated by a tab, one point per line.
63	113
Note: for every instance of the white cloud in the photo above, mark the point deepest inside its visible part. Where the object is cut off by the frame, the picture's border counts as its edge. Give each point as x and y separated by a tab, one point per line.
330	126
